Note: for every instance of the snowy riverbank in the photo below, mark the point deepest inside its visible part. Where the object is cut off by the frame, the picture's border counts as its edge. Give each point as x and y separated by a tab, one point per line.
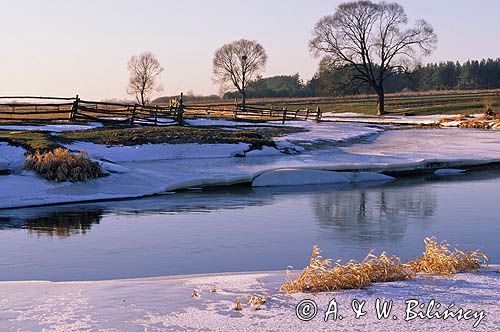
166	304
137	171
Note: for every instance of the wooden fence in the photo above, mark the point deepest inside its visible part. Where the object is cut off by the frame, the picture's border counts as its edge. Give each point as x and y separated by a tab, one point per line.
76	109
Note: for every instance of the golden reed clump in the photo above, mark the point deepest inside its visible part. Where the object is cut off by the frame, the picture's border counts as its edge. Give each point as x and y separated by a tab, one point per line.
441	258
323	276
60	165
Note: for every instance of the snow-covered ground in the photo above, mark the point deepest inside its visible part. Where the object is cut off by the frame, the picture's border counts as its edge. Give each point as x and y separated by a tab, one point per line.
388	119
53	128
149	169
166	304
159	151
10	156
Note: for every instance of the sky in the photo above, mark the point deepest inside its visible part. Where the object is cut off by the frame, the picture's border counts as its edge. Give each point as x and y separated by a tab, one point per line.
68	47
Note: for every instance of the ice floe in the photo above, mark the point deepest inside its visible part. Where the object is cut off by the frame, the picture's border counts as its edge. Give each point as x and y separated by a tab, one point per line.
448	171
297	177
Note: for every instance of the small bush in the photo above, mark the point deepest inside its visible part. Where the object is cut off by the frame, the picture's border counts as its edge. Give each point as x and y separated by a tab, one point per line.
323	276
60	165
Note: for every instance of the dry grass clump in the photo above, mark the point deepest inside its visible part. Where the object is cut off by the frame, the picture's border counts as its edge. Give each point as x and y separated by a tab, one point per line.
484	121
488	107
238	306
60	165
323	276
442	258
257	300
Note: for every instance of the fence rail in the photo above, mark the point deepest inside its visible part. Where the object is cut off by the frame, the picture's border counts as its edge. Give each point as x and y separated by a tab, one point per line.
110	112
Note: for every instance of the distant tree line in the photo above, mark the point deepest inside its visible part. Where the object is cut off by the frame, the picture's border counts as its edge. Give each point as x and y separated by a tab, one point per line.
335	81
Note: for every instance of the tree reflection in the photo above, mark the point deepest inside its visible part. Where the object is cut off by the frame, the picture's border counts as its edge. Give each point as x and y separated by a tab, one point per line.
372	212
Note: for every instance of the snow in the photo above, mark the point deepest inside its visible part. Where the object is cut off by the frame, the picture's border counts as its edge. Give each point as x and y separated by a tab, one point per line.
325	132
152	169
226	123
11	156
297	177
265	151
166	304
448	171
158	151
53	127
388	119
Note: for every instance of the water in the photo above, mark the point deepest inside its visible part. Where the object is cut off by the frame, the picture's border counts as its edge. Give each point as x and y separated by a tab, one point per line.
245	229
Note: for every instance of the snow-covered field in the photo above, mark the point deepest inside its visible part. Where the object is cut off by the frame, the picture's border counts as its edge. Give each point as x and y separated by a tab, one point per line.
136	171
166	304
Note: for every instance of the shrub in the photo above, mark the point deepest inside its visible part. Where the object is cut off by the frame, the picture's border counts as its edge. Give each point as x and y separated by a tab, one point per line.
60	165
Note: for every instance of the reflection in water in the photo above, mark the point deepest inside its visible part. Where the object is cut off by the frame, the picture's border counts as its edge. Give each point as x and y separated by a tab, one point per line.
254	229
342	206
61	223
388	205
373	212
374	205
64	224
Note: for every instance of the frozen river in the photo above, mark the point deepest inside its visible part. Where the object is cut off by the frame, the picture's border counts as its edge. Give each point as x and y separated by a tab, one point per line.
241	228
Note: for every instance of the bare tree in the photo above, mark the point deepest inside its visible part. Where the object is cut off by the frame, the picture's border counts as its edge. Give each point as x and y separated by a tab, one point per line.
144	72
237	63
374	39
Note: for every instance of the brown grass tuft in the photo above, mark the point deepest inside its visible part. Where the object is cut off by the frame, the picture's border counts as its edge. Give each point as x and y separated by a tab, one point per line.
442	258
238	305
323	276
257	300
60	165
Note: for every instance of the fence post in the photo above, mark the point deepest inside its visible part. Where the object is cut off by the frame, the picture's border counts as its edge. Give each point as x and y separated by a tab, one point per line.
284	115
133	114
180	111
307	113
318	114
156	115
74	108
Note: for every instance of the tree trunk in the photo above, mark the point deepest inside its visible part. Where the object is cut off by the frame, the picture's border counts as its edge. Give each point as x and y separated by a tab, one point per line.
244	96
142	99
380	102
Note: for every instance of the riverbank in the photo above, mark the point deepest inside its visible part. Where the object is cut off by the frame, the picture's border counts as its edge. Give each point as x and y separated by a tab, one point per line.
167	304
149	169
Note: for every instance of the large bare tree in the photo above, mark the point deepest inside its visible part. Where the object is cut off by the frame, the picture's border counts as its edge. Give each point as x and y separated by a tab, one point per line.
237	63
374	39
145	70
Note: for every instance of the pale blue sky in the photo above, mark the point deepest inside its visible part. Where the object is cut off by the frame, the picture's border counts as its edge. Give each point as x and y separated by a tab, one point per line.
63	47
